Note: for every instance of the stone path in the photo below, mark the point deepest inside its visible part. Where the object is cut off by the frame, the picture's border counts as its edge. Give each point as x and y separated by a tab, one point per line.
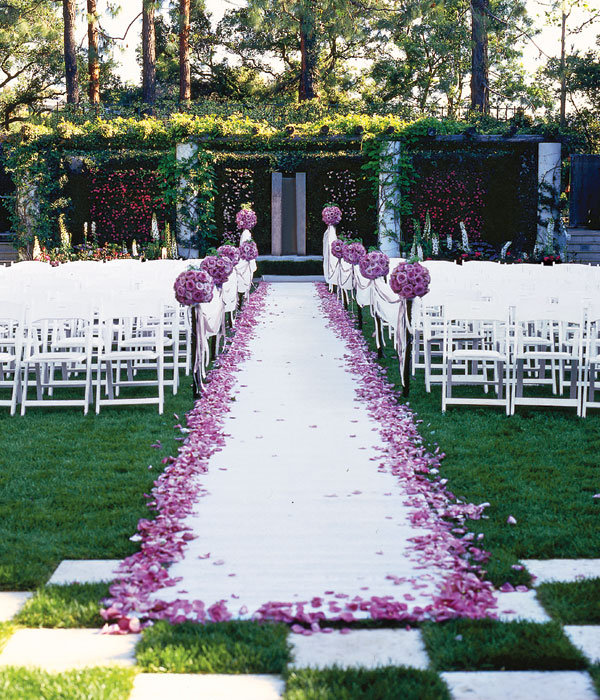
295	506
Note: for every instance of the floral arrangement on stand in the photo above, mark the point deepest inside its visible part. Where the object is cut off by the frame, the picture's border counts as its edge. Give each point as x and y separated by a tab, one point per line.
248	250
194	287
374	264
332	214
408	280
219	267
246	218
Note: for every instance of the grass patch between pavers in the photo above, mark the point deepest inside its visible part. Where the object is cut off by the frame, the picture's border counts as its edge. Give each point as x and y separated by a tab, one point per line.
223	647
101	683
72	486
490	645
73	606
6	630
540	466
385	683
575	603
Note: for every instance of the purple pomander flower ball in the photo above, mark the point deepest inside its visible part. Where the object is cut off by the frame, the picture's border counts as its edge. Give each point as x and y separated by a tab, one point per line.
410	280
374	264
337	248
218	268
353	252
246	219
248	250
194	287
332	215
229	251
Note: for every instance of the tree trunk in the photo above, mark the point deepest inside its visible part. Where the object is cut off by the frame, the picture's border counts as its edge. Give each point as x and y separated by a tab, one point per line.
93	53
563	67
308	57
148	53
184	51
480	96
70	47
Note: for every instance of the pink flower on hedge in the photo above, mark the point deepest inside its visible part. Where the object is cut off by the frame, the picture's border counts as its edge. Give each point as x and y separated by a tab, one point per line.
194	287
248	250
229	251
337	248
374	264
410	280
353	253
246	218
218	268
332	215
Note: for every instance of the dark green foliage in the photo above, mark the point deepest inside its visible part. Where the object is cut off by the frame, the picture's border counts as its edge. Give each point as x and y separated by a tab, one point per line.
572	603
89	684
224	647
386	683
486	645
73	606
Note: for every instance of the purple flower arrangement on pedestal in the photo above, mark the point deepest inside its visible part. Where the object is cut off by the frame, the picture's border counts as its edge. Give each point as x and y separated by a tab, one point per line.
374	264
246	218
332	215
248	250
337	248
229	251
194	287
410	280
219	268
353	253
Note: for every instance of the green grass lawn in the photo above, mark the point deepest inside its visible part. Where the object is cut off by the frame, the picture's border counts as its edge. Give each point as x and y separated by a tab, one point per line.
74	606
71	486
540	466
572	603
89	684
225	647
487	645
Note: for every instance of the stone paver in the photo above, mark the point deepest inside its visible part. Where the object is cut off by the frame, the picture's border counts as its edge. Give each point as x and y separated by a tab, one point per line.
11	602
368	648
520	606
586	638
85	571
547	570
520	685
161	686
61	650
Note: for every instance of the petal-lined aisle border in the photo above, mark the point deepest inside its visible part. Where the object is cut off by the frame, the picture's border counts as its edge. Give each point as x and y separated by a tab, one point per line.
176	491
437	542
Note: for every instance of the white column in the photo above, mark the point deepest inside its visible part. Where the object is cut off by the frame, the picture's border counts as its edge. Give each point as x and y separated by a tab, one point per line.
276	212
389	228
549	162
185	233
301	213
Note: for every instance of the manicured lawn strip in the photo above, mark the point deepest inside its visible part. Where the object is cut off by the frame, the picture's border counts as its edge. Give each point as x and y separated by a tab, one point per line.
18	683
71	486
224	647
386	683
488	645
540	466
572	603
6	630
73	606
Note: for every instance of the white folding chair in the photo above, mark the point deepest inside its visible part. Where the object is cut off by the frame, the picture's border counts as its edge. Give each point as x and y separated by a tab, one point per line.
591	369
475	343
132	334
548	352
58	337
12	322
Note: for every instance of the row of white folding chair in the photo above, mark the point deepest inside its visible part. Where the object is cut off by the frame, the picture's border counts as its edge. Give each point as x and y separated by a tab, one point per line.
517	342
12	325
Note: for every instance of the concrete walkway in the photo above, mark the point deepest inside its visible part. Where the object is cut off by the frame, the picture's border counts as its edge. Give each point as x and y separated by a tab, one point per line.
296	506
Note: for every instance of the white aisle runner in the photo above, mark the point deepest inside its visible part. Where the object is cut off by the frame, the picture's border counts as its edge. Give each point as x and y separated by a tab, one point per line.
296	506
